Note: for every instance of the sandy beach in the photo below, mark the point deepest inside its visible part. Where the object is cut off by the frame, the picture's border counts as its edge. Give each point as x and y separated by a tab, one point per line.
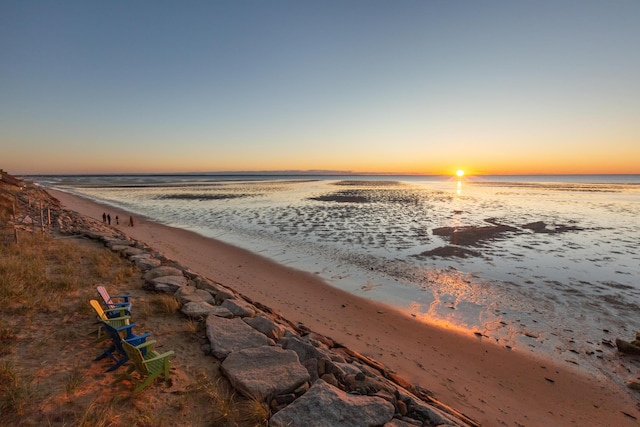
492	385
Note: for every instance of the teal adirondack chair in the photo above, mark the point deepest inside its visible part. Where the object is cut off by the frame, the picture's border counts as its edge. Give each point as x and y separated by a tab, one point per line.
148	366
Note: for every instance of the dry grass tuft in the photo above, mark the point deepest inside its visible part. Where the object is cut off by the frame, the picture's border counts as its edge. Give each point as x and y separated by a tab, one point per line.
16	391
165	304
75	378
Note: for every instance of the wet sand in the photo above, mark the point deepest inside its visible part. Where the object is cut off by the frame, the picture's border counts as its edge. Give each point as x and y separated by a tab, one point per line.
492	385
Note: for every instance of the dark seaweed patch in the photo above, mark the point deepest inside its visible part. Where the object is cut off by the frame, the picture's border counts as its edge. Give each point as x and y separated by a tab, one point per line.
448	252
202	197
472	236
356	183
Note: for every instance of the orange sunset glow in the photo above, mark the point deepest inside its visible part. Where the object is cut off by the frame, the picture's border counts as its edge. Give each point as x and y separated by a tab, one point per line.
419	89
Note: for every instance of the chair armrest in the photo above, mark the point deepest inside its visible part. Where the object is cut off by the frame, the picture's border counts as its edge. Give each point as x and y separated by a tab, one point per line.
138	339
117	318
121	304
109	310
122	328
145	344
158	357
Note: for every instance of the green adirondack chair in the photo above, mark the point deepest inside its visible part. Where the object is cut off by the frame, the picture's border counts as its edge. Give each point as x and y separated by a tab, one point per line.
115	322
148	366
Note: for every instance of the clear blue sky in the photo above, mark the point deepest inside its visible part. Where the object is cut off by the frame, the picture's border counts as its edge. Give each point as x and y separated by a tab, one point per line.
379	86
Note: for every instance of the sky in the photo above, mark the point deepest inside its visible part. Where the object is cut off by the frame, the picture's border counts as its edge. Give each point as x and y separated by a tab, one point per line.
428	87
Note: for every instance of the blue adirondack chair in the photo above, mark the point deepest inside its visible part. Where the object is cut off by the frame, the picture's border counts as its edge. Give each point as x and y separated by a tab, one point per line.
110	304
116	322
116	352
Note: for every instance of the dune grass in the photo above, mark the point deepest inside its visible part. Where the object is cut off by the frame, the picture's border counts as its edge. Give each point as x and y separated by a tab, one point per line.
47	372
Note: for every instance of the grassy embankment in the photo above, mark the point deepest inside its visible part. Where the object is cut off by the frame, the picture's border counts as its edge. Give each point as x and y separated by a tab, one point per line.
47	372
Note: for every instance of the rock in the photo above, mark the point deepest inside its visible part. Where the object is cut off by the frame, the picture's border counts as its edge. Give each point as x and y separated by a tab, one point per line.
634	384
162	271
130	251
229	335
198	309
119	248
266	326
264	372
192	294
306	350
145	264
144	255
168	284
326	405
402	407
124	243
627	347
219	292
311	365
431	415
330	379
239	307
361	384
341	370
402	423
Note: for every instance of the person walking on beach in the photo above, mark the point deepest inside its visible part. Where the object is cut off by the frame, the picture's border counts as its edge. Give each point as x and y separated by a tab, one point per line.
104	217
130	221
117	220
109	219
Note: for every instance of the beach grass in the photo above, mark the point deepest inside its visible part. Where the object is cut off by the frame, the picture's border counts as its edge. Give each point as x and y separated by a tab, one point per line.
47	372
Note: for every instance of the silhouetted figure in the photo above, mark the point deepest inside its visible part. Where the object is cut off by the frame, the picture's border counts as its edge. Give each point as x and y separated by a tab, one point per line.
117	220
104	217
109	219
130	221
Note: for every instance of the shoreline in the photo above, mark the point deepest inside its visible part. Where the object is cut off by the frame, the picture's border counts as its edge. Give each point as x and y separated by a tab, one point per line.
488	383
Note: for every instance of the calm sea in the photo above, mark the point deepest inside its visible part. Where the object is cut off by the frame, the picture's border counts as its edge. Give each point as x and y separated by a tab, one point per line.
543	263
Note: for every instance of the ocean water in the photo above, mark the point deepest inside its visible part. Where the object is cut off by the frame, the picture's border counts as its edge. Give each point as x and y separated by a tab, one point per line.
549	264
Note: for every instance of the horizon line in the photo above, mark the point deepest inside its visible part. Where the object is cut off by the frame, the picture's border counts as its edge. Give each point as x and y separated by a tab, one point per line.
312	172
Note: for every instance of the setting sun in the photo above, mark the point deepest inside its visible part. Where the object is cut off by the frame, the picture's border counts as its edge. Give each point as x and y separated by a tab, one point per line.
460	172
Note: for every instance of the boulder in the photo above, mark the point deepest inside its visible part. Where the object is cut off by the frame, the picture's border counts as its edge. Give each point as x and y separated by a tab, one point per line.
140	256
112	243
238	307
266	326
192	294
145	264
326	405
361	384
408	422
338	369
133	251
162	271
263	372
168	284
628	347
119	248
200	309
229	335
425	412
306	349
